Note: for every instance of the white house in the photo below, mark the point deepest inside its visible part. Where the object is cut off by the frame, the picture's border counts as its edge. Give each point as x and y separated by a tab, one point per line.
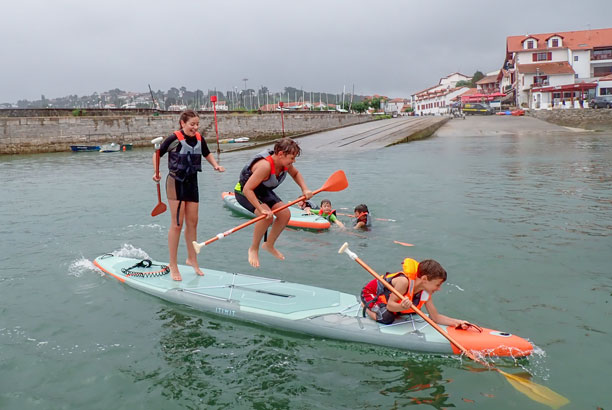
396	105
436	100
553	70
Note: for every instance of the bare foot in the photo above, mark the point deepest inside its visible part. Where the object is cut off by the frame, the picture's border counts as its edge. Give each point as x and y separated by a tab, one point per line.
273	251
254	257
195	267
175	274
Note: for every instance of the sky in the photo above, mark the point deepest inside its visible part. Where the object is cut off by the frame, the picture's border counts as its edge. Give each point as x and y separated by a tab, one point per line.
394	48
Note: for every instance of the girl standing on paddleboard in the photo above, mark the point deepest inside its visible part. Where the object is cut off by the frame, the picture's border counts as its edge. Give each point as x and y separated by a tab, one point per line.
185	149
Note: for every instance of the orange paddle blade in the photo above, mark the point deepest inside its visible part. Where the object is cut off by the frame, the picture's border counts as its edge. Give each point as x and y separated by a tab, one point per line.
336	182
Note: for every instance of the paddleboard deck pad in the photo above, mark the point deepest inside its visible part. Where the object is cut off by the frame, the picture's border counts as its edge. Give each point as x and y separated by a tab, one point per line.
300	308
299	218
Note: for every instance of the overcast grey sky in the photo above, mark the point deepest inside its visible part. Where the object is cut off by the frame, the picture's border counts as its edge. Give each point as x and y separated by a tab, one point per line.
393	48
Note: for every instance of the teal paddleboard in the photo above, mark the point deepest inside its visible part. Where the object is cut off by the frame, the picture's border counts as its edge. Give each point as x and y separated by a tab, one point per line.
305	309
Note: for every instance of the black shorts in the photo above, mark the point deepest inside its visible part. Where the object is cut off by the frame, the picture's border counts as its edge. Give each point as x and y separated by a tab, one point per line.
186	191
265	196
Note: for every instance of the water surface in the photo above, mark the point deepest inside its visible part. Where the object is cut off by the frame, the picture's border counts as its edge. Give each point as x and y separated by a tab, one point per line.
521	223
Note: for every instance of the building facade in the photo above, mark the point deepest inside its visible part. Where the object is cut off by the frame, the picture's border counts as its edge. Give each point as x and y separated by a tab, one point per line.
437	100
558	70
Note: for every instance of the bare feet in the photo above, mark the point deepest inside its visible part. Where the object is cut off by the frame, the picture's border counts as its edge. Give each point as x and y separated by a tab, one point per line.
273	251
254	257
195	267
175	274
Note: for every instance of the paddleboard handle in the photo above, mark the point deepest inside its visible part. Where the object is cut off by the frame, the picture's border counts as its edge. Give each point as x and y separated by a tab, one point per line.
344	249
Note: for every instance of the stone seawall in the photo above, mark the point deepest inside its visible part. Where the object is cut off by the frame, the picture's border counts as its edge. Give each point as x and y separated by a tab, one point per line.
590	119
55	133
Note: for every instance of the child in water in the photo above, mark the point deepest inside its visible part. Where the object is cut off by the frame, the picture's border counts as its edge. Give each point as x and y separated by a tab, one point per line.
362	217
328	213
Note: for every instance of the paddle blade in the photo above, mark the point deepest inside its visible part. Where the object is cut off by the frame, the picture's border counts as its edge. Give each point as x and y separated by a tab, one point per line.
159	209
535	392
336	182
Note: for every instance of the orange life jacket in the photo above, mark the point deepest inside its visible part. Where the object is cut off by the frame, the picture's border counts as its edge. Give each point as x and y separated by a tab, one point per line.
327	215
409	269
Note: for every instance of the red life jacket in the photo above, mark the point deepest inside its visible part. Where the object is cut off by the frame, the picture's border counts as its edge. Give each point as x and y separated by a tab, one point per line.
410	267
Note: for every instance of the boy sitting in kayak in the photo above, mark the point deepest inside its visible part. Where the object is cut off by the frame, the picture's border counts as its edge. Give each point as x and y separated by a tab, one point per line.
328	213
255	192
417	282
362	217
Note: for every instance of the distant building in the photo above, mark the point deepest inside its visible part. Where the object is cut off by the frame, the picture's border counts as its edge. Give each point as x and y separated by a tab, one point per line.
437	100
561	69
396	106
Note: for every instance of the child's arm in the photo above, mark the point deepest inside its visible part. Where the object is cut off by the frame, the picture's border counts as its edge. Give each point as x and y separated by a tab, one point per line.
333	218
443	319
211	160
395	304
299	179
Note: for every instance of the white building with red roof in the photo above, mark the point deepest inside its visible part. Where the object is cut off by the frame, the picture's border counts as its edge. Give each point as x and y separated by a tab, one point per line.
437	100
552	70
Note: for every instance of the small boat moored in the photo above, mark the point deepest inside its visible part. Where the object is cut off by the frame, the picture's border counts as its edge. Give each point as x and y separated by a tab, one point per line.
84	148
112	147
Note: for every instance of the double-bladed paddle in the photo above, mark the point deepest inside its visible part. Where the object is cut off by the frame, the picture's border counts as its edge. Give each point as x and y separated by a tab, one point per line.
336	182
532	390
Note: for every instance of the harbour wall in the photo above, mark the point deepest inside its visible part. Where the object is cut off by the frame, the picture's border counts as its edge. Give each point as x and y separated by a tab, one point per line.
36	131
590	119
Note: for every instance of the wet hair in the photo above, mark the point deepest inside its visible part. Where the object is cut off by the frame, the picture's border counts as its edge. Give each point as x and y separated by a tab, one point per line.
288	146
325	201
361	208
432	269
186	115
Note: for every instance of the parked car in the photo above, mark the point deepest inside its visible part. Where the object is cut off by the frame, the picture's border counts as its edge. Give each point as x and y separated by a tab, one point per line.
477	108
601	102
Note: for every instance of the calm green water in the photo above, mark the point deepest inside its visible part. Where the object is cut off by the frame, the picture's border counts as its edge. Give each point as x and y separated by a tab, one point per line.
522	225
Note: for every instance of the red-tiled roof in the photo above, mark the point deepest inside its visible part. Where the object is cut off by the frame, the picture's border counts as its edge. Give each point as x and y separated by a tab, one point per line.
562	67
488	79
606	78
575	40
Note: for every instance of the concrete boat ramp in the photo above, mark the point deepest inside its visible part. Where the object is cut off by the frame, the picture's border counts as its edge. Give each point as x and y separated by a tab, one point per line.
372	135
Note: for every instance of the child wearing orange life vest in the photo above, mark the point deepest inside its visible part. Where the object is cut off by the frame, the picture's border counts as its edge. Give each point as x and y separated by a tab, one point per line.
362	217
328	213
255	191
417	282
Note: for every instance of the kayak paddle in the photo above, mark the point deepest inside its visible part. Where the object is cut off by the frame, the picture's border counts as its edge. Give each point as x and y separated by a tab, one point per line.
336	182
532	390
160	207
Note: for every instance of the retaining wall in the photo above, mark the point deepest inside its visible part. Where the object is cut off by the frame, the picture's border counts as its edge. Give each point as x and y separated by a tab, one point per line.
588	118
54	133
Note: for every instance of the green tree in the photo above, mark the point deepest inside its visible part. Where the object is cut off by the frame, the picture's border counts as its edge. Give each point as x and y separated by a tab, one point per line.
477	77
